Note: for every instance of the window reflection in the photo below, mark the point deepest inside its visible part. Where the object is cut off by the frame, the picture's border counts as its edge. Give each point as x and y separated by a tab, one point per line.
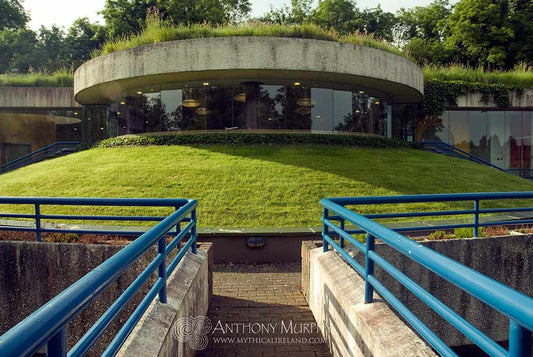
248	105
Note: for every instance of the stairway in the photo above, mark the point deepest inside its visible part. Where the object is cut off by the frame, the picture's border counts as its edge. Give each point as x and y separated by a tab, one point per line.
48	152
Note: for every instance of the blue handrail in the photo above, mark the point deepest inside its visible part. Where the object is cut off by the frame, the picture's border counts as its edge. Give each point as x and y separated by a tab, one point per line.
463	153
516	306
47	325
38	202
38	155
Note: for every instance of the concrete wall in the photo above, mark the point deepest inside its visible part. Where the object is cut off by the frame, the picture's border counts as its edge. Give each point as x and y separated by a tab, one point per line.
248	58
278	246
508	260
37	97
35	129
32	273
335	294
474	100
189	290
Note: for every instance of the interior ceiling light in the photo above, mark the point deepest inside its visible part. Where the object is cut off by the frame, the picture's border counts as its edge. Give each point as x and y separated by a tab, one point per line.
240	97
361	92
139	92
206	83
122	102
376	102
190	103
303	111
304	102
202	111
297	83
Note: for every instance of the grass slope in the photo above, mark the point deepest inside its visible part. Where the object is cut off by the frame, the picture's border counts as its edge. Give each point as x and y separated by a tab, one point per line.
260	186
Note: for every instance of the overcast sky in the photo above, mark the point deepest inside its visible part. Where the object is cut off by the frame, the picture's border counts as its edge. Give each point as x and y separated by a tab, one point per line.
64	12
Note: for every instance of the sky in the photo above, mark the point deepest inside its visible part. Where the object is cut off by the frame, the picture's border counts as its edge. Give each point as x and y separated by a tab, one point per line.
64	12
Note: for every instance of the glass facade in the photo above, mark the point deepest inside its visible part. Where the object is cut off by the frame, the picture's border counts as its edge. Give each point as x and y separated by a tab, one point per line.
23	130
501	137
249	105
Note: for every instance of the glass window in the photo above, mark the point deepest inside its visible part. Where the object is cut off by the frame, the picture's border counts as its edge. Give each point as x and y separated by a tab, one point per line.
342	111
171	109
498	138
321	109
272	103
459	136
298	108
479	142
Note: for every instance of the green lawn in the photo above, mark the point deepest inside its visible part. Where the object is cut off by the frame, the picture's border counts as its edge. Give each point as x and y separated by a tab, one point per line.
260	186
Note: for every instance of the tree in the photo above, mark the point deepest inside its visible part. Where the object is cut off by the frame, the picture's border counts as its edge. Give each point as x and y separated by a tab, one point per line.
51	48
378	22
297	13
199	11
481	31
82	38
12	15
124	17
522	22
422	32
341	15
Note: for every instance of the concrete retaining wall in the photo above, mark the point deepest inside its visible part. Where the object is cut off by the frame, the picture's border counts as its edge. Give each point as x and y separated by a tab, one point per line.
189	290
32	273
474	100
508	260
37	97
335	294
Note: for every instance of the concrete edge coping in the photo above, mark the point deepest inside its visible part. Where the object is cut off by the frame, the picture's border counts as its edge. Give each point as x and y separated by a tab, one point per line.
153	331
383	332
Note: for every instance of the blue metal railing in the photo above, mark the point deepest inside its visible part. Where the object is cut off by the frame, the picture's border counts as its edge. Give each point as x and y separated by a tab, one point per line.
47	325
37	204
52	150
460	153
514	305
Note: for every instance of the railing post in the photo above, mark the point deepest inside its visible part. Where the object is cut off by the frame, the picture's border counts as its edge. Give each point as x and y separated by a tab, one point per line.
194	232
325	232
369	269
57	345
162	269
38	222
178	229
341	239
519	340
476	218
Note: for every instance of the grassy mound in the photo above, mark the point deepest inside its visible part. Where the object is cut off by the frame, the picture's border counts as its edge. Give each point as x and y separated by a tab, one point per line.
253	186
157	31
38	79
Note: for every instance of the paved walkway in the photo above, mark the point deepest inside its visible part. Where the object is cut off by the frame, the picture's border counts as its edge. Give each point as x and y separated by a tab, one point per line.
259	310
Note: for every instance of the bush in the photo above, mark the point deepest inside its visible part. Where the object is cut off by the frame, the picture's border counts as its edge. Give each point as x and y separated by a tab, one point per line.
253	139
468	232
440	235
62	238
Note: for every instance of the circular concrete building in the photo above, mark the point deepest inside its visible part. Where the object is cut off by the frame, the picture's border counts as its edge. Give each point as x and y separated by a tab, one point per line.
253	83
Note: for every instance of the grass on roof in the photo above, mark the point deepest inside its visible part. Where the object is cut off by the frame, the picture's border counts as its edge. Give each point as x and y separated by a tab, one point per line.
519	76
253	186
157	30
38	79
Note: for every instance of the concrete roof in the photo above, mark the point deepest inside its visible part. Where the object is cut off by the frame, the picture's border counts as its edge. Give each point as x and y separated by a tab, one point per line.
235	58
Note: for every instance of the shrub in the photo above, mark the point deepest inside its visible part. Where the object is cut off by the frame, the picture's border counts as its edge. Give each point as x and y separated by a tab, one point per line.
494	231
62	238
440	235
468	232
253	139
